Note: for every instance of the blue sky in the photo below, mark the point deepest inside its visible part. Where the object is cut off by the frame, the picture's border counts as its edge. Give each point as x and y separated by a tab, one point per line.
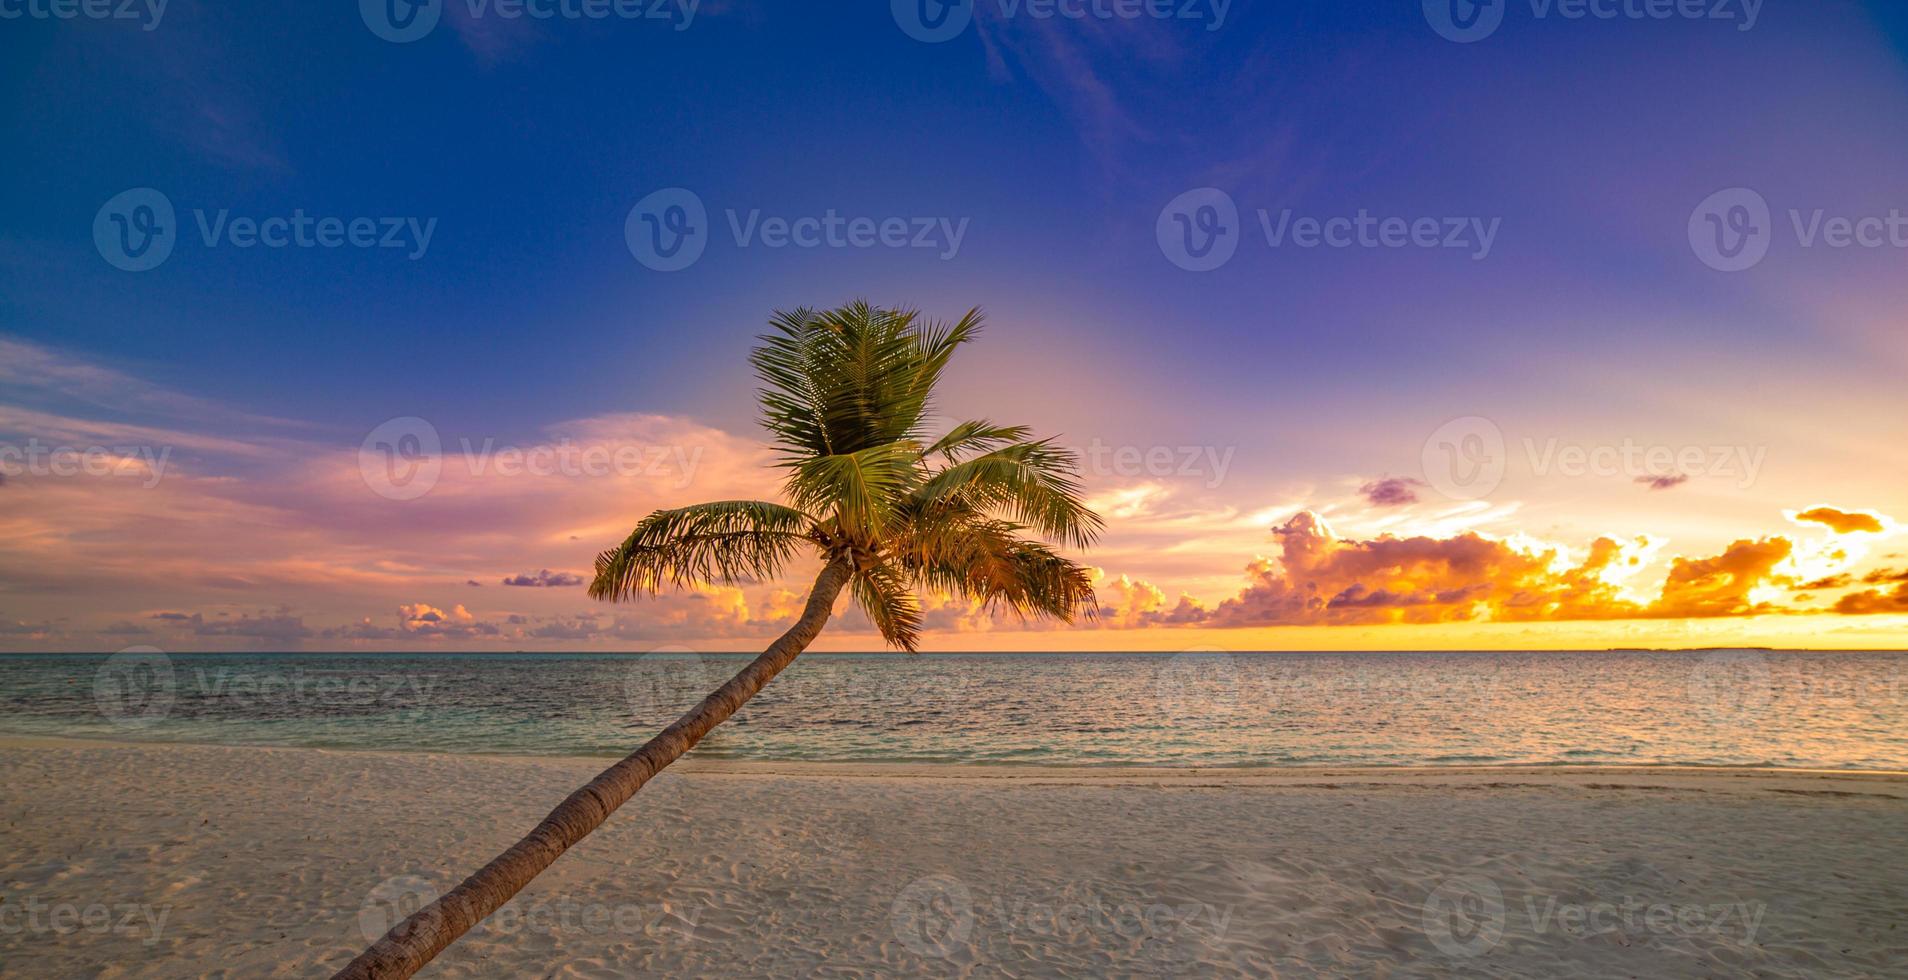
1055	143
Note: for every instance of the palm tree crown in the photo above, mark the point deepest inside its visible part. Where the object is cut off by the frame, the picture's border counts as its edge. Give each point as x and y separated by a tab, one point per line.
847	397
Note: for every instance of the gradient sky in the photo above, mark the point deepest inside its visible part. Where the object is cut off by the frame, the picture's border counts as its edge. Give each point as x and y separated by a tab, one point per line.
1310	388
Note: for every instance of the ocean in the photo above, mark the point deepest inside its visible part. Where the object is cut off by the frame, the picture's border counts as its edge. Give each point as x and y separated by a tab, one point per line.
1832	710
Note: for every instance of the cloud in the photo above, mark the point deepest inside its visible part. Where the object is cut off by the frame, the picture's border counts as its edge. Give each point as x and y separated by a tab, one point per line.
1722	585
279	625
1127	603
544	579
1319	578
1874	601
1844	522
46	380
298	521
1663	482
425	620
300	525
1392	491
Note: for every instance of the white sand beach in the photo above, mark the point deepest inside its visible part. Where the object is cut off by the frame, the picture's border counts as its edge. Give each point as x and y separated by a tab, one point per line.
121	860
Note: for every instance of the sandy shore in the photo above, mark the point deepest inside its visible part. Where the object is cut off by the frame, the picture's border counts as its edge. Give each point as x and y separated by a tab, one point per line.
204	861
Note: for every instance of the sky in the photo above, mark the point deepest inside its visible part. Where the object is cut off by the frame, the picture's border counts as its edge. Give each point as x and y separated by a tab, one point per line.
338	326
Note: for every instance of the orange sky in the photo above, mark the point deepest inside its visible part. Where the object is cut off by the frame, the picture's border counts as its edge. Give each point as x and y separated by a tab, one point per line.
189	535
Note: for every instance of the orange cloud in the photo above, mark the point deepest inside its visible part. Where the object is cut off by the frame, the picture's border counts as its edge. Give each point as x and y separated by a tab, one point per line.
1843	522
1721	586
1320	578
1874	602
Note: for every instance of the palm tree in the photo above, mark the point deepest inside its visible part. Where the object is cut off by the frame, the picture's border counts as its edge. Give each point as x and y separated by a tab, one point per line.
887	508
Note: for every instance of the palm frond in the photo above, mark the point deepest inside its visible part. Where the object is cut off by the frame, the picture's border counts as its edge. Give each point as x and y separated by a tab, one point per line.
976	436
1034	483
861	489
985	561
845	380
727	541
882	592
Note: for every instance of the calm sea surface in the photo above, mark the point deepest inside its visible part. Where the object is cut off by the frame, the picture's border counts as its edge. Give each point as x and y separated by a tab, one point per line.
1830	710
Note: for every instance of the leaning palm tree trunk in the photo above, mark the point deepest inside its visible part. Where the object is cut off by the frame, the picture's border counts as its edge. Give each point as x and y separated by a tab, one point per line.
415	941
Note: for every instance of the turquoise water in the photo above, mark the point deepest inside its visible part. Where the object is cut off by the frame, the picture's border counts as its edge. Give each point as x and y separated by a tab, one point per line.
1732	708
